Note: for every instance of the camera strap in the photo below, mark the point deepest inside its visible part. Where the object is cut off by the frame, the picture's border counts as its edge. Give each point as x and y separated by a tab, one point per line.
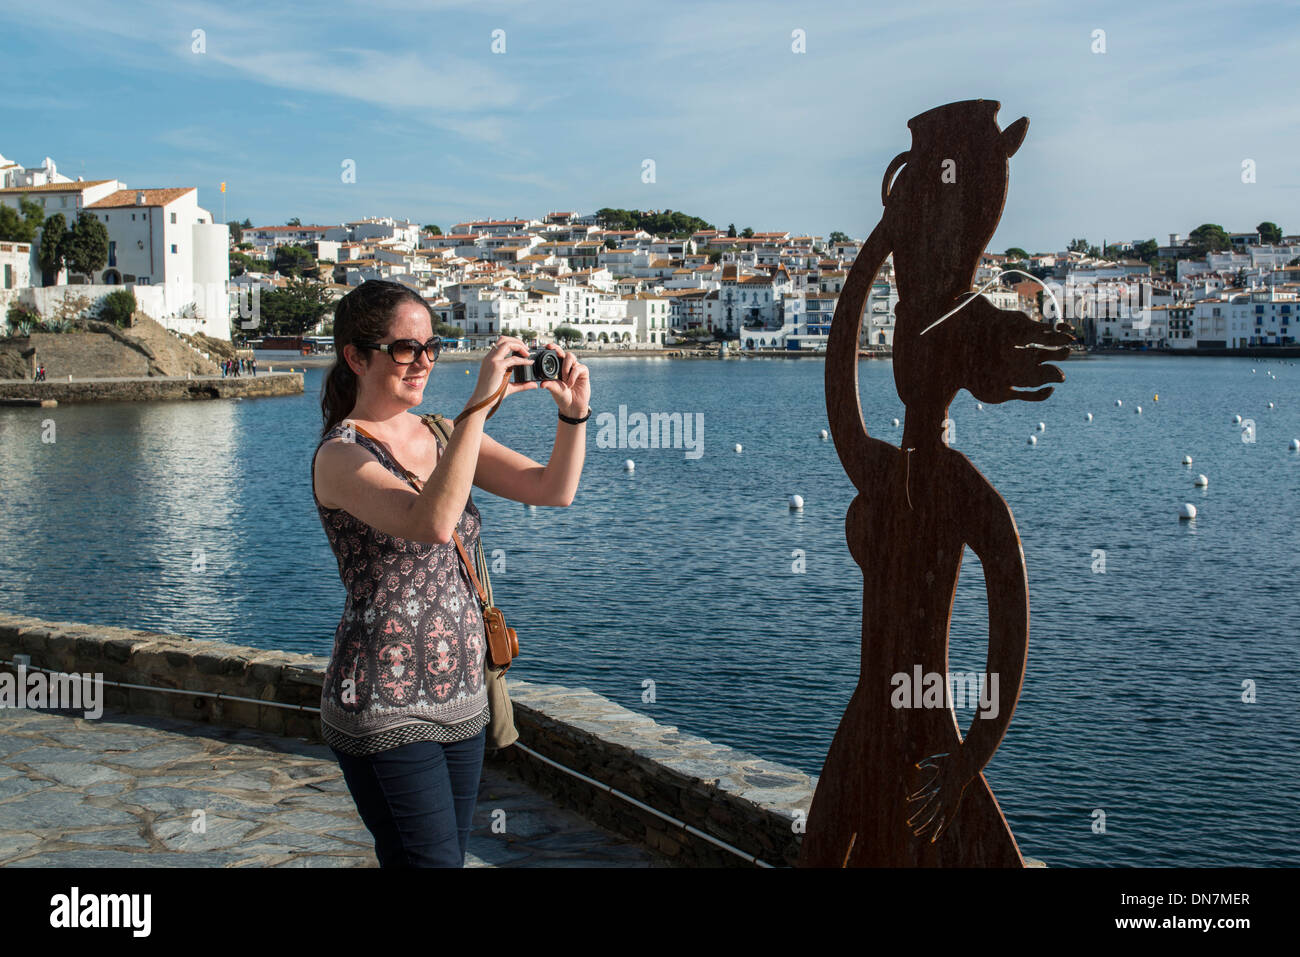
495	400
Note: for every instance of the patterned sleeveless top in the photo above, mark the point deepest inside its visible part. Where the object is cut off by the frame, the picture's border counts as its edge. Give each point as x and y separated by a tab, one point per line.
407	663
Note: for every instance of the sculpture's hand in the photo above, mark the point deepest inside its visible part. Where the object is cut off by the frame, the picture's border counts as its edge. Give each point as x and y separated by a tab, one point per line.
1007	350
942	779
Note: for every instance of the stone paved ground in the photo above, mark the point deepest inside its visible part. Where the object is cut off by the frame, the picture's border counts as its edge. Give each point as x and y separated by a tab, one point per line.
121	791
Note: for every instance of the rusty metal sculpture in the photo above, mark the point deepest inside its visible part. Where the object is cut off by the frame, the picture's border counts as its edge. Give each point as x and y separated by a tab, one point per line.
900	786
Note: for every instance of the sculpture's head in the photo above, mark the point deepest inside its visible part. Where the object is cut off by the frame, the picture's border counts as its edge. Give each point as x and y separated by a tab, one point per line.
945	202
941	211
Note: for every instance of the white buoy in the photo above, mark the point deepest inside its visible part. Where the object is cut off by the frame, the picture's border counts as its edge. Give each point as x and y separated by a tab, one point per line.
1202	482
629	466
824	435
796	502
1118	403
1236	420
1295	445
979	406
1033	440
739	447
1138	410
1188	511
1187	460
1042	426
1252	371
1088	417
530	508
1270	405
895	423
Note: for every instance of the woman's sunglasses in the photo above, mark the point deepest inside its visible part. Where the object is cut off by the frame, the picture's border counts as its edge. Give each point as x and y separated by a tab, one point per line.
406	351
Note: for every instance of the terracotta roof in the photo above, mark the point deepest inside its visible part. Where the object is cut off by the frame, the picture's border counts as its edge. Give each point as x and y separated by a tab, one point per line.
55	187
152	197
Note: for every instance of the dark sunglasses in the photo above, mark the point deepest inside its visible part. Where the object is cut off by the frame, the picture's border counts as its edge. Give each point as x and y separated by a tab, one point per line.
406	351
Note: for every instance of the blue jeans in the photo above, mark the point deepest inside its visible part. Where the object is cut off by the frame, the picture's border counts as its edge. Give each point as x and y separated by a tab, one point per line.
418	799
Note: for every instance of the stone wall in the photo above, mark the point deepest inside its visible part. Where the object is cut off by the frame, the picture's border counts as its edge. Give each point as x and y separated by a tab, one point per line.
745	801
156	388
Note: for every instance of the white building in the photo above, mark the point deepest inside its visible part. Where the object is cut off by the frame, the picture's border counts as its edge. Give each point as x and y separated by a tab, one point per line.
15	266
162	237
13	175
650	313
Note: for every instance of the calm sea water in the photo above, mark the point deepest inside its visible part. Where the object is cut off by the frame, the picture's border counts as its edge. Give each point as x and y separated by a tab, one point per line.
682	572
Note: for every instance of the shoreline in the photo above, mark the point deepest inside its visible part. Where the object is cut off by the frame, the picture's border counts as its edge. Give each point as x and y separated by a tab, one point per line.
55	392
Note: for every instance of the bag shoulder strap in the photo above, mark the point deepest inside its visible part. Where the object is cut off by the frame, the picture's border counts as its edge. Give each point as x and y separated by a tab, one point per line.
437	424
455	536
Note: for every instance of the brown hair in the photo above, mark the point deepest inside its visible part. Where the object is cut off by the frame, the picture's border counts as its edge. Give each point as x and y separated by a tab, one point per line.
363	315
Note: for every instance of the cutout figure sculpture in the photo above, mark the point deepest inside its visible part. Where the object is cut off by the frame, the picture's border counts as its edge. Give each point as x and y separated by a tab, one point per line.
901	787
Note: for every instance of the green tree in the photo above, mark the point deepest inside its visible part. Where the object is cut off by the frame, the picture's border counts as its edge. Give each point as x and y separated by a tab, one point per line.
294	222
1270	233
747	232
88	245
448	331
293	261
241	263
118	307
295	309
731	231
1017	254
1208	238
21	225
1148	250
434	230
839	237
1079	245
53	251
665	222
566	334
236	232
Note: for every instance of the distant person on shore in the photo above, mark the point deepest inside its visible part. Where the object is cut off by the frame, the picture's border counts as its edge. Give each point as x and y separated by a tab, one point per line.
225	368
404	705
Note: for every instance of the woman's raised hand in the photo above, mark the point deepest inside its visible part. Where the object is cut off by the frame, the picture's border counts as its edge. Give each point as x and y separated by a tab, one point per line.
506	353
572	391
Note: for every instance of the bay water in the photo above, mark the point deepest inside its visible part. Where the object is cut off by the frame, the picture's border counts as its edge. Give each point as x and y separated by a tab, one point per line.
1156	698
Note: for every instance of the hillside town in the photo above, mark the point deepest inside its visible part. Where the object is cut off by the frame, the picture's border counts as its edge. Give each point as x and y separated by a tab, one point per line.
611	288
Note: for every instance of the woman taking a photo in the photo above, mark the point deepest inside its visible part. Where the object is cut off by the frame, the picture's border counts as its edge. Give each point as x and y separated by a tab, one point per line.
404	704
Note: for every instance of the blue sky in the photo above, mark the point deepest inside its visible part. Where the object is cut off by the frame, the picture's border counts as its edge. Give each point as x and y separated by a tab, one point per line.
1142	140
